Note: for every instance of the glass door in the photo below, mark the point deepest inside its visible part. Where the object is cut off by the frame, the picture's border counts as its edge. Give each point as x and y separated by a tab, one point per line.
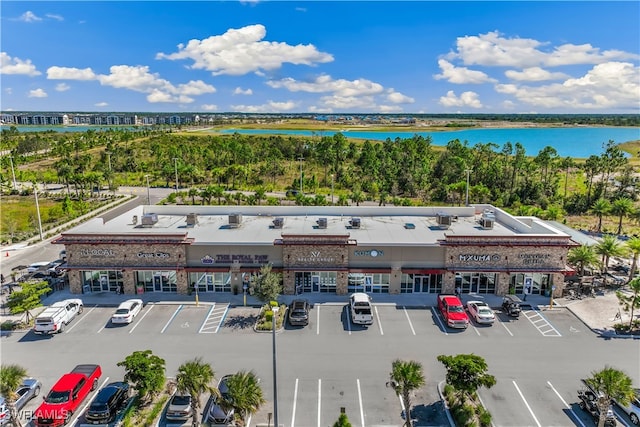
104	282
421	284
315	284
157	283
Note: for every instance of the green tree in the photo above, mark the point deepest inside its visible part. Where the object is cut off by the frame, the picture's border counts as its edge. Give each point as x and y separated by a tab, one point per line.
609	247
146	372
28	298
633	244
622	207
11	377
610	384
343	421
245	394
600	208
466	373
582	257
405	378
630	302
195	377
267	284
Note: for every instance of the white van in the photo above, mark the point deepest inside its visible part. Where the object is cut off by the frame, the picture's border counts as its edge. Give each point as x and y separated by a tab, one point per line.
54	318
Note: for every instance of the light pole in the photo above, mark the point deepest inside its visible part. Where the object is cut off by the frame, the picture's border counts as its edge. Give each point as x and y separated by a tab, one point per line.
13	173
35	192
466	199
301	159
275	373
175	166
332	189
148	191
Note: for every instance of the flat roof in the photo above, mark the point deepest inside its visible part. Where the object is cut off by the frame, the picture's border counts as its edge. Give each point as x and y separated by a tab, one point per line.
381	225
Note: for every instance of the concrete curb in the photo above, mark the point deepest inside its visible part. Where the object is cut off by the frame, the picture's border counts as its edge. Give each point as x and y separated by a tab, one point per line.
444	402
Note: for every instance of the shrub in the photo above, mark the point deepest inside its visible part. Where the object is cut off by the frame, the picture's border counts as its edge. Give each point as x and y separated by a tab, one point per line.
8	325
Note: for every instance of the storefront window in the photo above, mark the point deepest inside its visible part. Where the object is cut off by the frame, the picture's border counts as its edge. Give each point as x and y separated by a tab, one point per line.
211	282
316	281
377	283
102	280
476	282
157	281
421	283
541	283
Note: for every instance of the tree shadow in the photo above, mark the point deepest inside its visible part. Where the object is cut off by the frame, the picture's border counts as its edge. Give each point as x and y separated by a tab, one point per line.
240	322
429	415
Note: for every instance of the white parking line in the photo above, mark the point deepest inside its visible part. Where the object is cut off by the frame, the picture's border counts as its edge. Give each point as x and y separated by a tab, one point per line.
566	405
319	399
541	323
378	317
360	401
140	320
295	400
224	316
318	320
505	326
346	311
206	318
526	404
171	320
474	327
409	320
66	331
86	405
437	316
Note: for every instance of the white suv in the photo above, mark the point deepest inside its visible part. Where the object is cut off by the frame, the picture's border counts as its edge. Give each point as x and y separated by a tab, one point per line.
633	409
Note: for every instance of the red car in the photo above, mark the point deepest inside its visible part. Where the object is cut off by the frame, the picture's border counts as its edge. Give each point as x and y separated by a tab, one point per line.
452	311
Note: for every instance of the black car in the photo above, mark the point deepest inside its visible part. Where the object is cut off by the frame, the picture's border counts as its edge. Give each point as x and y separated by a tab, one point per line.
299	312
107	403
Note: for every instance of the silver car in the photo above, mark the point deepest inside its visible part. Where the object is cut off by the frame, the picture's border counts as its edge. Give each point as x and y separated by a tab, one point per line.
179	408
29	389
633	408
220	412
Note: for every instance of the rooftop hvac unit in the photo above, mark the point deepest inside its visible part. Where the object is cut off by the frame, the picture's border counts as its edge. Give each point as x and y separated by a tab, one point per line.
134	220
355	222
149	220
192	219
235	220
487	219
443	220
278	222
322	222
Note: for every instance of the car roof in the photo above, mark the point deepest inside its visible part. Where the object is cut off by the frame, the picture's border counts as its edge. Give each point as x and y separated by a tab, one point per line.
478	303
128	303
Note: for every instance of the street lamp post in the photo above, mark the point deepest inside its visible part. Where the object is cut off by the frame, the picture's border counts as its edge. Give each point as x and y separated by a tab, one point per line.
332	189
275	374
466	199
301	159
13	174
35	192
175	166
148	191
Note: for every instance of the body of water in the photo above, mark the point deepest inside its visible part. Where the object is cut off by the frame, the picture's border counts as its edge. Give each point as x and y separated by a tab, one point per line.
576	142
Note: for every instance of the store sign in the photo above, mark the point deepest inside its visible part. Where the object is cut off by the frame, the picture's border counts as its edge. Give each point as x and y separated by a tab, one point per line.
479	258
153	255
372	253
316	256
533	259
229	259
98	253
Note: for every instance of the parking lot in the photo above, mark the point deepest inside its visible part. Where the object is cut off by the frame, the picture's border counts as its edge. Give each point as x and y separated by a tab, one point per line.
331	364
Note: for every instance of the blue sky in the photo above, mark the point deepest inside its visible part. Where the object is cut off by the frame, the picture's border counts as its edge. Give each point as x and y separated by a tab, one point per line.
321	57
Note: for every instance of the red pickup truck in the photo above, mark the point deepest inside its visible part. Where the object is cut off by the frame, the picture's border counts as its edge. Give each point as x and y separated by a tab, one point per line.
66	396
452	311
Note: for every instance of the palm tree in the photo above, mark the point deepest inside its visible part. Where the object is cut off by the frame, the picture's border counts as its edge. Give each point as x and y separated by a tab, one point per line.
600	208
622	207
609	247
633	244
11	377
195	377
582	257
610	384
406	377
245	394
629	303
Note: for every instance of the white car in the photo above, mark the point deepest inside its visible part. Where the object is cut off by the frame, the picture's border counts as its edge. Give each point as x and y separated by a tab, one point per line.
126	311
633	409
481	312
36	266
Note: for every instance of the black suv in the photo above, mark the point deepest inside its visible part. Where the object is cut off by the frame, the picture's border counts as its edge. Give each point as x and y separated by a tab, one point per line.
108	402
299	313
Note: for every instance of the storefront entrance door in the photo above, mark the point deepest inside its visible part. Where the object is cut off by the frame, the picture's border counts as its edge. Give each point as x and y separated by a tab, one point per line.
104	282
315	284
420	284
475	281
157	283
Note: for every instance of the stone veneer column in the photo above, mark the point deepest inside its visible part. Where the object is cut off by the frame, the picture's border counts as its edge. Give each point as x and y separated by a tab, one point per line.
557	280
288	283
128	282
342	282
449	282
395	279
182	284
504	279
75	284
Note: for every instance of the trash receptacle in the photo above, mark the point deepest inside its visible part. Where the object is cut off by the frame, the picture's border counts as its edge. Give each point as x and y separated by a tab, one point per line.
86	289
140	290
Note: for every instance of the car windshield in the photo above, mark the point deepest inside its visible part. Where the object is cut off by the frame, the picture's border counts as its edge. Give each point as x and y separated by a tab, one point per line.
298	313
456	309
181	400
57	397
98	407
122	311
484	310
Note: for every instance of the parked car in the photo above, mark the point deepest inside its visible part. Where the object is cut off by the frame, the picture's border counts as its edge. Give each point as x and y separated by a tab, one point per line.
360	309
40	265
588	403
179	408
29	389
126	311
109	400
481	312
511	305
53	319
633	408
299	312
221	413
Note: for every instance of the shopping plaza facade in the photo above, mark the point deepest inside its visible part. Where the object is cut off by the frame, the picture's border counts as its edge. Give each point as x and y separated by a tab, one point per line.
338	250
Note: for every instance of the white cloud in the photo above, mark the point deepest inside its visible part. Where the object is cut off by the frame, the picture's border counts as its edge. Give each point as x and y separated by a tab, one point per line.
466	99
209	107
491	49
240	91
534	74
62	87
8	90
29	17
242	51
37	93
269	107
101	104
54	17
605	86
460	75
398	98
325	83
67	73
9	65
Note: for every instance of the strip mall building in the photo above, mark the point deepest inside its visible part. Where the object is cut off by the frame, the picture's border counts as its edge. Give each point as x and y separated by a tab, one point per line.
174	249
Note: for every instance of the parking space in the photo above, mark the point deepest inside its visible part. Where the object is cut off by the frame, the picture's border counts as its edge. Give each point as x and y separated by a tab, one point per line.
214	318
540	322
187	319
